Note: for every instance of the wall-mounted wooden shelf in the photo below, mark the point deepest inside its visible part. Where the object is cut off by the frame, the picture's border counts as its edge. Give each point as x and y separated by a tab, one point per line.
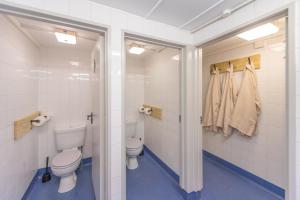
156	111
23	126
238	64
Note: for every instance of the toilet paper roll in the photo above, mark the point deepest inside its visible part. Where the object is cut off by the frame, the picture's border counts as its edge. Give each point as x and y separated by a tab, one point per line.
40	120
141	109
148	111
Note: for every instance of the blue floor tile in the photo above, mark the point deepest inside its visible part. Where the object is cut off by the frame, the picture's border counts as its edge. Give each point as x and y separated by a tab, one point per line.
150	182
222	183
48	191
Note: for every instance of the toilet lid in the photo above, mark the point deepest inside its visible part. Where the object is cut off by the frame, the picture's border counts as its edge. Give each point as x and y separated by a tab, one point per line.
133	143
66	158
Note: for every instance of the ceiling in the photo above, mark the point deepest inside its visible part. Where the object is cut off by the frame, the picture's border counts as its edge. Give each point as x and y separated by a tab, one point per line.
185	14
42	34
236	42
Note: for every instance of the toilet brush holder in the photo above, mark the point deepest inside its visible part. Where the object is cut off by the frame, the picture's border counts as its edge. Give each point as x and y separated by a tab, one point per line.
46	176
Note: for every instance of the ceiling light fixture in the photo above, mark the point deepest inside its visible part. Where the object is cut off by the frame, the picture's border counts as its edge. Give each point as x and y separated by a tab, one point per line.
136	50
176	57
259	32
65	36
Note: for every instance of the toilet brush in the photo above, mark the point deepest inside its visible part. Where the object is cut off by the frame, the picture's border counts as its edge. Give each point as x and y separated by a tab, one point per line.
46	176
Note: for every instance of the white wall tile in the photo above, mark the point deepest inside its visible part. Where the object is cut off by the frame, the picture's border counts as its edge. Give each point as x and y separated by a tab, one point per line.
162	88
80	9
19	99
57	6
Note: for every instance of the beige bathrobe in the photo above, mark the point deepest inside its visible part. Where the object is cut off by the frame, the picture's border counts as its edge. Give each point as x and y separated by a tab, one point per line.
212	102
247	106
228	99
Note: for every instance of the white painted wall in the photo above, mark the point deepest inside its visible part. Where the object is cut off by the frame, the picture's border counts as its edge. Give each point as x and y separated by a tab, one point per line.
264	154
18	98
64	93
162	89
134	95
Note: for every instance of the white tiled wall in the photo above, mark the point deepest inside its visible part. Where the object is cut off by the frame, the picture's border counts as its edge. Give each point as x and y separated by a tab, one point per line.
64	93
134	91
264	154
162	89
18	97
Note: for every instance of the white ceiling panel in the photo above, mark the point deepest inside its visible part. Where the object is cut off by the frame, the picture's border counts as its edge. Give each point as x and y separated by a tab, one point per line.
185	14
216	11
137	7
178	12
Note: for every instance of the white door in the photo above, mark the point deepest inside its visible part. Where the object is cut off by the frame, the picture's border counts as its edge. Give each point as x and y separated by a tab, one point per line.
98	124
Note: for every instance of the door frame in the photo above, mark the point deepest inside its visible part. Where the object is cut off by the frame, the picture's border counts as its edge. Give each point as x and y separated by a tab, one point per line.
289	12
35	14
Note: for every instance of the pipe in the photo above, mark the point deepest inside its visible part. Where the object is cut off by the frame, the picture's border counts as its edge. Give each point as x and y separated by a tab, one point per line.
224	14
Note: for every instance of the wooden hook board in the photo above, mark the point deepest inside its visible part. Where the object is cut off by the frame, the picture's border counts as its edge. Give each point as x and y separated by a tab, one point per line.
23	126
238	64
156	111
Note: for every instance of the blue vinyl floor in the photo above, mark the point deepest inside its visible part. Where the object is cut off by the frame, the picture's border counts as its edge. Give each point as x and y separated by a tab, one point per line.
151	182
48	191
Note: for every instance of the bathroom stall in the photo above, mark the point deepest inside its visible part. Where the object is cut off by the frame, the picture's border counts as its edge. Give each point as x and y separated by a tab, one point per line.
152	120
244	113
58	71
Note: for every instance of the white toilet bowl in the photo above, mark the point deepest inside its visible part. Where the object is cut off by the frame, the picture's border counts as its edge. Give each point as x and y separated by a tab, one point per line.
133	148
64	165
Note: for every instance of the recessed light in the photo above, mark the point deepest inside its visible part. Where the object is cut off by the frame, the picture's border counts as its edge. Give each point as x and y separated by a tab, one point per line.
136	50
176	57
258	32
64	36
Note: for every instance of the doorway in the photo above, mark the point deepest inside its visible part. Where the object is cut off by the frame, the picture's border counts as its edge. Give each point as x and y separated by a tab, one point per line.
152	119
56	76
229	151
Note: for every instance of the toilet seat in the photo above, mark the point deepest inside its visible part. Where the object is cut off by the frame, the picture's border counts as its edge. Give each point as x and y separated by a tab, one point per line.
133	143
66	159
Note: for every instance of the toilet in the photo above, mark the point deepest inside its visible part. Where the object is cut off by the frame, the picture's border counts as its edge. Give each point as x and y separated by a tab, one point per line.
134	145
68	143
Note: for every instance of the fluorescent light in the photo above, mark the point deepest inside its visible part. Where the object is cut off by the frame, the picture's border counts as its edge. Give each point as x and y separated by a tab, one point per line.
176	57
258	32
136	50
74	63
64	36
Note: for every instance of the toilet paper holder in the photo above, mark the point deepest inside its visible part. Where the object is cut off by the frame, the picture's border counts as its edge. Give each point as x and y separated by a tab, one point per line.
156	111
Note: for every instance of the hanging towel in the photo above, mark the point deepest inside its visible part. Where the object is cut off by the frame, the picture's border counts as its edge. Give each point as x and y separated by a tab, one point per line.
212	102
247	106
228	99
